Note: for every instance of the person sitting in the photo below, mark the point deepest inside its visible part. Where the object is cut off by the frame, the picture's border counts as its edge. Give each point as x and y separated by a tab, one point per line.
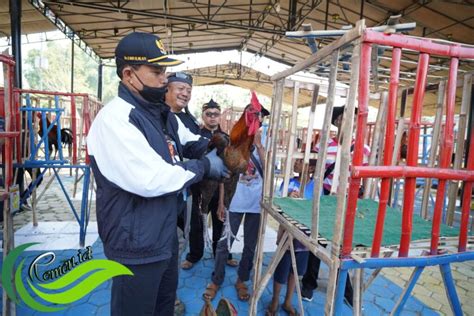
295	182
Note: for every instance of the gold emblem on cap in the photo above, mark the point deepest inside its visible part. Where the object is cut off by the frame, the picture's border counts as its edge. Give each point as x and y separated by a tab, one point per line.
160	46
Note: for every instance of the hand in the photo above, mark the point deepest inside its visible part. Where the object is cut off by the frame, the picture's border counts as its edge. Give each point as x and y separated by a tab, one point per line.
217	169
221	212
294	194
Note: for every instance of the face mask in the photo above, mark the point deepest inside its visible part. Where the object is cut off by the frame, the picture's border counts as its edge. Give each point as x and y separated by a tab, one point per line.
152	94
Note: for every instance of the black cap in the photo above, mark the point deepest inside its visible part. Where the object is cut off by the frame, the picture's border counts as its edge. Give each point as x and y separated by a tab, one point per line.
264	112
180	77
339	110
143	49
211	105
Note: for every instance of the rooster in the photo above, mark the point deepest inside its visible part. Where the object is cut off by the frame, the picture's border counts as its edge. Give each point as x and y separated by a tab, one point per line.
66	136
235	151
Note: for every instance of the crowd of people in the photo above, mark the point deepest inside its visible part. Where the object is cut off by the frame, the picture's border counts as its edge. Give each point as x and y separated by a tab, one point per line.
148	176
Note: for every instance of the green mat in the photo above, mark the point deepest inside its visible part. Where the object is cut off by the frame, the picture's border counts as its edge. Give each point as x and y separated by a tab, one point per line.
366	217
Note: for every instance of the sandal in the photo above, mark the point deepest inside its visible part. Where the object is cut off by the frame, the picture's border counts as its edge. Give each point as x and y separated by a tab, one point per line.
186	265
242	291
210	292
232	263
270	312
290	310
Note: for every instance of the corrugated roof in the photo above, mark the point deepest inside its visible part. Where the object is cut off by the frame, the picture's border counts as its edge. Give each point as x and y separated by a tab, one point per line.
258	25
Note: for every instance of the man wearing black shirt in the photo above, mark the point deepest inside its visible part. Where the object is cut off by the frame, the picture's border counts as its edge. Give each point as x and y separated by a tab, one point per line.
211	113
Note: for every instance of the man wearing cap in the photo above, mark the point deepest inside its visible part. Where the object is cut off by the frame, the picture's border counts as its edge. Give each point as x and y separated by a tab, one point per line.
180	86
136	156
211	113
177	98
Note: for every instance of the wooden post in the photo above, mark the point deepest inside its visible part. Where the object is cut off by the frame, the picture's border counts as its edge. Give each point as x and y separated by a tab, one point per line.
8	308
357	284
460	140
79	147
273	135
323	146
379	161
34	202
45	189
398	139
259	284
309	138
291	140
396	153
268	186
295	275
378	130
434	147
345	158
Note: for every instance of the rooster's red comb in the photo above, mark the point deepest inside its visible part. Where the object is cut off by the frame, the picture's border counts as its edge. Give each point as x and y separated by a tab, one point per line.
254	101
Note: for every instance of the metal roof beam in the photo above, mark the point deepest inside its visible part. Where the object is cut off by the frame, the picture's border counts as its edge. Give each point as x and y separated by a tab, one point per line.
218	9
292	14
162	15
276	37
448	26
424	5
199	10
404	12
63	27
258	22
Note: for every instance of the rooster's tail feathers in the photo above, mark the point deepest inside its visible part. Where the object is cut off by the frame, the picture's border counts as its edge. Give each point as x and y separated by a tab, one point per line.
66	136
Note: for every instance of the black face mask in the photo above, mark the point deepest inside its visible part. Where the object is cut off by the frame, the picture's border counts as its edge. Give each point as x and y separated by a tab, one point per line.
152	94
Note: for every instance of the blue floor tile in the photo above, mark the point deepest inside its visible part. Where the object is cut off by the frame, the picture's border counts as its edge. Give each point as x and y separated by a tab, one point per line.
378	300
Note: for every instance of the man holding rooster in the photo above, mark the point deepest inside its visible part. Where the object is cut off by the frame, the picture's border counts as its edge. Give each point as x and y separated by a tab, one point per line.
136	150
211	114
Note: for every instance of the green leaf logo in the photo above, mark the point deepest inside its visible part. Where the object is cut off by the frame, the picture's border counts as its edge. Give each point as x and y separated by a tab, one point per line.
64	290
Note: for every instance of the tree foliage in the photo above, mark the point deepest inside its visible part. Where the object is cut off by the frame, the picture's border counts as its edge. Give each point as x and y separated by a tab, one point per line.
49	68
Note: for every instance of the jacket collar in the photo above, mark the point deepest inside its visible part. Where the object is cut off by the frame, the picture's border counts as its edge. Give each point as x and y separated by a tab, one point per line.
159	110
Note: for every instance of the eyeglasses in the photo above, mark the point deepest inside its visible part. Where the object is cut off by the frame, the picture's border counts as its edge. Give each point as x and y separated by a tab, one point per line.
181	75
212	114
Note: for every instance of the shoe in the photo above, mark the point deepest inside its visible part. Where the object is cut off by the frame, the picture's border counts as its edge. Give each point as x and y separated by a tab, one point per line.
179	308
348	301
186	265
306	294
232	263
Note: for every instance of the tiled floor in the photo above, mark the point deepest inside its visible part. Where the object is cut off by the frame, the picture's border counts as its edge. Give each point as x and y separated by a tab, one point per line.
378	300
58	232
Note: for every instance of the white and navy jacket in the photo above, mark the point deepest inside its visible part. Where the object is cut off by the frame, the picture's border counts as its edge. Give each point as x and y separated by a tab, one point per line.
138	180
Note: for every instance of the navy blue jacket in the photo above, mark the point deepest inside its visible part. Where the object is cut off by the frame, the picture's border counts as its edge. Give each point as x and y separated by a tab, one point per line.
135	149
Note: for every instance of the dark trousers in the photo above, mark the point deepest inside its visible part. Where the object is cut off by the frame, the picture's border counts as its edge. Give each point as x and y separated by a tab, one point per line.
217	225
182	215
310	278
151	290
251	226
196	238
196	235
